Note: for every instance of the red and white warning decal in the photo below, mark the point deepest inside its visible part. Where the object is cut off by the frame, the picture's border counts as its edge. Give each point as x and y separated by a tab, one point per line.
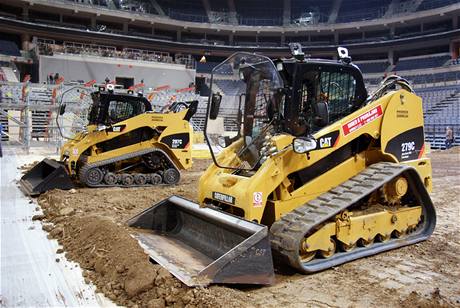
362	120
257	199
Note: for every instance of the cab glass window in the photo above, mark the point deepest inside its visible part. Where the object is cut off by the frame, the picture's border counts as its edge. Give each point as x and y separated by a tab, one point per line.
121	110
338	90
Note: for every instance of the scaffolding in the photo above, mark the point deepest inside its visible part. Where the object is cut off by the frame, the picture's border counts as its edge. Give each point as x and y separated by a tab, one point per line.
29	113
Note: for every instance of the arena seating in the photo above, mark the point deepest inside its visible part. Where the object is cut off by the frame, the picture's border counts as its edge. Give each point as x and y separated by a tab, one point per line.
9	48
441	106
219	5
357	10
433	78
8	74
419	63
230	87
11	93
321	8
258	13
205	68
432	4
189	10
47	47
267	12
373	67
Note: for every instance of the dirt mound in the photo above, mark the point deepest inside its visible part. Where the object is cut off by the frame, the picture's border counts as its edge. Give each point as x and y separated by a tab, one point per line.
25	168
89	223
117	265
416	300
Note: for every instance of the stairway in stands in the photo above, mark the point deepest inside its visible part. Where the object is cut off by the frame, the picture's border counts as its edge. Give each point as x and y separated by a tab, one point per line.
9	74
441	109
444	105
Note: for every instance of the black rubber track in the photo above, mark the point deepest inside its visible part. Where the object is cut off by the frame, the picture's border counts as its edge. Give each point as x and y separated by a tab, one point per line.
84	169
288	232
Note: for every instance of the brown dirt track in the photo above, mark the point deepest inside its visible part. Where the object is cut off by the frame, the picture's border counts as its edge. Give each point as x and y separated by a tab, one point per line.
89	223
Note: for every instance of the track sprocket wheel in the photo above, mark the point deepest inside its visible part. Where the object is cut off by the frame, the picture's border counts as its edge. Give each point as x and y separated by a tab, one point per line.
171	176
153	160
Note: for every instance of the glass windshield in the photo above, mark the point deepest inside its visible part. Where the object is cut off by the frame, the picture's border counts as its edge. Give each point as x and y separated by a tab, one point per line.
240	110
72	115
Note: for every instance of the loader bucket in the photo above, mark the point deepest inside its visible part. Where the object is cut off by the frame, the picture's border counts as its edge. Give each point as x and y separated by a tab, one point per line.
46	175
201	246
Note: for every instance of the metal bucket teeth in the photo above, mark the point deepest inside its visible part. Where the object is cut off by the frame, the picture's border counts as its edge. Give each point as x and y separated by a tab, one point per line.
201	246
46	175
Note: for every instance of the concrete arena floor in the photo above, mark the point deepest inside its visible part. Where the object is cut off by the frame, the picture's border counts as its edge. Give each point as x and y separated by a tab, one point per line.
30	275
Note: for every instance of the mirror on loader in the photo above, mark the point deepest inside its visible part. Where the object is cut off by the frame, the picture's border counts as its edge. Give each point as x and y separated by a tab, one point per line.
216	98
321	114
62	109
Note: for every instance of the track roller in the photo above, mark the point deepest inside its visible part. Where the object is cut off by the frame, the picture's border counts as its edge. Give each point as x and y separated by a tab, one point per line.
140	179
110	178
127	179
155	178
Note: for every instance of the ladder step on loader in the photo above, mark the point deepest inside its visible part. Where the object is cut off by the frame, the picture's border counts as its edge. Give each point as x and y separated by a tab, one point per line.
201	246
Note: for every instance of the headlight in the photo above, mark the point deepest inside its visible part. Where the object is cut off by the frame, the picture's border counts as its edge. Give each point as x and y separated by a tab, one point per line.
303	145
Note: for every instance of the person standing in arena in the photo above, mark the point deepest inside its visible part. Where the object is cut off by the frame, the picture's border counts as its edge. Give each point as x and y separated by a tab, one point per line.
449	137
1	134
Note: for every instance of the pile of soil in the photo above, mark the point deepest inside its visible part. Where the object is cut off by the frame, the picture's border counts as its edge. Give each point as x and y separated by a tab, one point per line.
415	299
109	256
25	168
90	224
119	268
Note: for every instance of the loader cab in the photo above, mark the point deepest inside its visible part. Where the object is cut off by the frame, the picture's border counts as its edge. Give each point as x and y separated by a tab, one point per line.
319	92
253	98
109	108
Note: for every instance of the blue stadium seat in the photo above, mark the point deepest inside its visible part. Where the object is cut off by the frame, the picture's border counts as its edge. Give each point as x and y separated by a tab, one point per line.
373	67
432	4
419	63
9	48
358	10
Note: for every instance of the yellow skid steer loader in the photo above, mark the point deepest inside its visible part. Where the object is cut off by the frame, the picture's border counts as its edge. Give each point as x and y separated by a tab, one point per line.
125	144
309	167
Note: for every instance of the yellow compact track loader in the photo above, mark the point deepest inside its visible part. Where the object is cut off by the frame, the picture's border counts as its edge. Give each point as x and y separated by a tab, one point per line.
125	144
307	167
